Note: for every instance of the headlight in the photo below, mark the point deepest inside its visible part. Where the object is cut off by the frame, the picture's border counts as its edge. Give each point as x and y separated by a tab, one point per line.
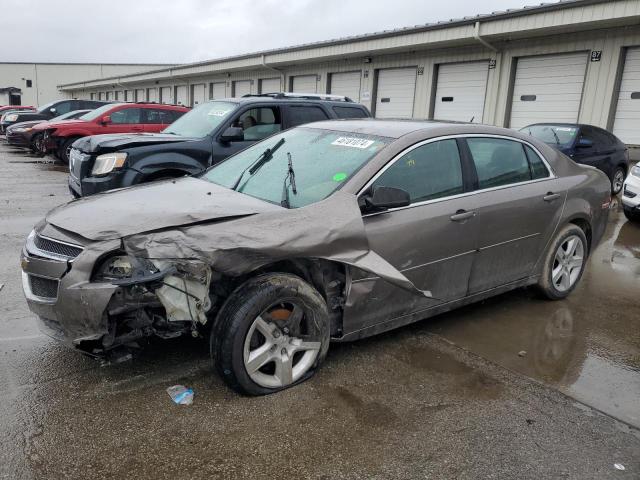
635	171
22	129
11	117
108	162
119	267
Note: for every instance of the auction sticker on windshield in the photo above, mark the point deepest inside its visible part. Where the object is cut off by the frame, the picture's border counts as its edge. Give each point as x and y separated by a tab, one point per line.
353	142
218	113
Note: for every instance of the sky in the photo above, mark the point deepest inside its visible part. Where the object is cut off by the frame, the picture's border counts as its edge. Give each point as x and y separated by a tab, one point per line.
181	31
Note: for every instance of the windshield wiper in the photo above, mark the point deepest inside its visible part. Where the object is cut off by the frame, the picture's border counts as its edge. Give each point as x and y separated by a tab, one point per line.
555	135
260	161
291	177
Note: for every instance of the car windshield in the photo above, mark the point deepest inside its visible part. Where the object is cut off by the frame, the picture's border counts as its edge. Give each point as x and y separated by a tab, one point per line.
322	160
202	120
556	135
45	107
99	112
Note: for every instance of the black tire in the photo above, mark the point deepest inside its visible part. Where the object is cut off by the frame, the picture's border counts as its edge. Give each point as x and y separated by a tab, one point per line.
63	150
36	143
237	316
617	180
633	215
546	283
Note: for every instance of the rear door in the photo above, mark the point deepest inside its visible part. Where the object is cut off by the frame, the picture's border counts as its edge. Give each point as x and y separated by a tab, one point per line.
589	154
517	207
426	241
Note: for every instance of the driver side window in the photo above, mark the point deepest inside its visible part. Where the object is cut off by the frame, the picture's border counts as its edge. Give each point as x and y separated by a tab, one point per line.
259	123
426	172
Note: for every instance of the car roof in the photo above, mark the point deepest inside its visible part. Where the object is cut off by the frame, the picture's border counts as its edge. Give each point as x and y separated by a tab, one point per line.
267	99
398	128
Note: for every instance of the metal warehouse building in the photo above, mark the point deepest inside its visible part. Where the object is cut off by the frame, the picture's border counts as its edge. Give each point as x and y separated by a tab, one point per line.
576	60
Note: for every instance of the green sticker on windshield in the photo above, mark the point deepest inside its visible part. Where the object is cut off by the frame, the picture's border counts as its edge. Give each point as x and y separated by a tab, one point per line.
340	176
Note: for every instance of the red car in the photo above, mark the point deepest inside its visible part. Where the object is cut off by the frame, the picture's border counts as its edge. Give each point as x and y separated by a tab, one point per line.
110	118
5	108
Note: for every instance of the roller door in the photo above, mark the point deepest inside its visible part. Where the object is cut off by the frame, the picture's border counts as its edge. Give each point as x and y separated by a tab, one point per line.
548	88
395	93
460	91
165	95
218	90
241	87
141	95
181	95
304	84
270	85
198	94
627	121
152	94
347	84
129	96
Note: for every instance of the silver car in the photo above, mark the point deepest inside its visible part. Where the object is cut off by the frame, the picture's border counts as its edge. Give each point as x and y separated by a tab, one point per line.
332	231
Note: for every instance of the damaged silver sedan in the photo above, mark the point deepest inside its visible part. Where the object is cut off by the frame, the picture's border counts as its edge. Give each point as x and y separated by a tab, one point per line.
332	231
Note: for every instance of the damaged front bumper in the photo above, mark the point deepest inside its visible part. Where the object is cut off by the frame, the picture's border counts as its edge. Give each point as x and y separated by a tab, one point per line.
60	286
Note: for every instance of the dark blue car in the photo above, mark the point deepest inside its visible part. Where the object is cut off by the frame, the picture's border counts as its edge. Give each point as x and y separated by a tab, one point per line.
587	145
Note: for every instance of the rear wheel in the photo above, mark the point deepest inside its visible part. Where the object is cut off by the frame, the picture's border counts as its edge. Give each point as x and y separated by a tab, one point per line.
65	149
564	263
632	214
272	333
617	180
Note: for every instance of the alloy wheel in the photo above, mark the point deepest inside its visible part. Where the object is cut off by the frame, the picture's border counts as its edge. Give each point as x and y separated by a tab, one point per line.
618	181
281	345
568	263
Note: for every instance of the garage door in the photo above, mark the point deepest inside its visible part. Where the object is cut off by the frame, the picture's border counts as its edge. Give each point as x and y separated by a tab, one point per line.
548	89
460	91
198	94
270	85
395	93
304	84
165	95
241	87
129	96
181	95
627	122
109	96
218	90
141	95
119	95
152	94
347	84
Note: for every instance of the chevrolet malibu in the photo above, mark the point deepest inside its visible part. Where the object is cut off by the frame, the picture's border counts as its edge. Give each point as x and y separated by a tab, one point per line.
336	230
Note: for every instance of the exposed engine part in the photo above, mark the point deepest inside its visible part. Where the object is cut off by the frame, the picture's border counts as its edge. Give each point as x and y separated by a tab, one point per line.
185	294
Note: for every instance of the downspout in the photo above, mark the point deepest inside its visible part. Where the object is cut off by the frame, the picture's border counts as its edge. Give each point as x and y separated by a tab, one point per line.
269	67
476	35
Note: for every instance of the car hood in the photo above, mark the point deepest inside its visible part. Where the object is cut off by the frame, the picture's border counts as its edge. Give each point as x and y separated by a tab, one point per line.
153	206
112	142
60	123
25	124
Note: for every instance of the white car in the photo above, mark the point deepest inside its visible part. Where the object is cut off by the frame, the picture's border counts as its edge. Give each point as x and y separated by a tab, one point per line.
631	194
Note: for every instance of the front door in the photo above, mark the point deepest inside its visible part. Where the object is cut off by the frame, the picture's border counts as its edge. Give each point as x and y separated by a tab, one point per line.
431	241
518	206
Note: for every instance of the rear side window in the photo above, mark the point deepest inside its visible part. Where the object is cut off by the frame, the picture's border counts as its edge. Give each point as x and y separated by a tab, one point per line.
126	115
350	112
299	115
259	123
156	116
427	172
536	165
499	162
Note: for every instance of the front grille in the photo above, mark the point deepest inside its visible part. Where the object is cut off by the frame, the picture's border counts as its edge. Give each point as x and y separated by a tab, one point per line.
628	193
57	248
43	287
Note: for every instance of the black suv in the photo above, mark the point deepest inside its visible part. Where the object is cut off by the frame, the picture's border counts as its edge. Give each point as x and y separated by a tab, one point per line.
48	111
206	135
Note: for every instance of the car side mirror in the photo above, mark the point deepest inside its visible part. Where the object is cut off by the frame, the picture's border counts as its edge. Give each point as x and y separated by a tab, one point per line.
584	143
387	197
232	134
105	120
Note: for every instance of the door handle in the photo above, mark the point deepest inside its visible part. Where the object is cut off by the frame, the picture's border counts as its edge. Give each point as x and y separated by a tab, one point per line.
462	215
550	197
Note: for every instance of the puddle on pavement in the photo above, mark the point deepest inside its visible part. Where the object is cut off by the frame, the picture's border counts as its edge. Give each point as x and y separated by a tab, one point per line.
587	346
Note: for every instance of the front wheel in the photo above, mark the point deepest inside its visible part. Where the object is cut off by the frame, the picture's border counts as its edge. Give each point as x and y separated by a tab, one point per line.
65	150
37	143
564	263
632	214
272	333
617	180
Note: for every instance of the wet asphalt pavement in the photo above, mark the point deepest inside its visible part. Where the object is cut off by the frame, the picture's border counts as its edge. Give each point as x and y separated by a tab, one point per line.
514	387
